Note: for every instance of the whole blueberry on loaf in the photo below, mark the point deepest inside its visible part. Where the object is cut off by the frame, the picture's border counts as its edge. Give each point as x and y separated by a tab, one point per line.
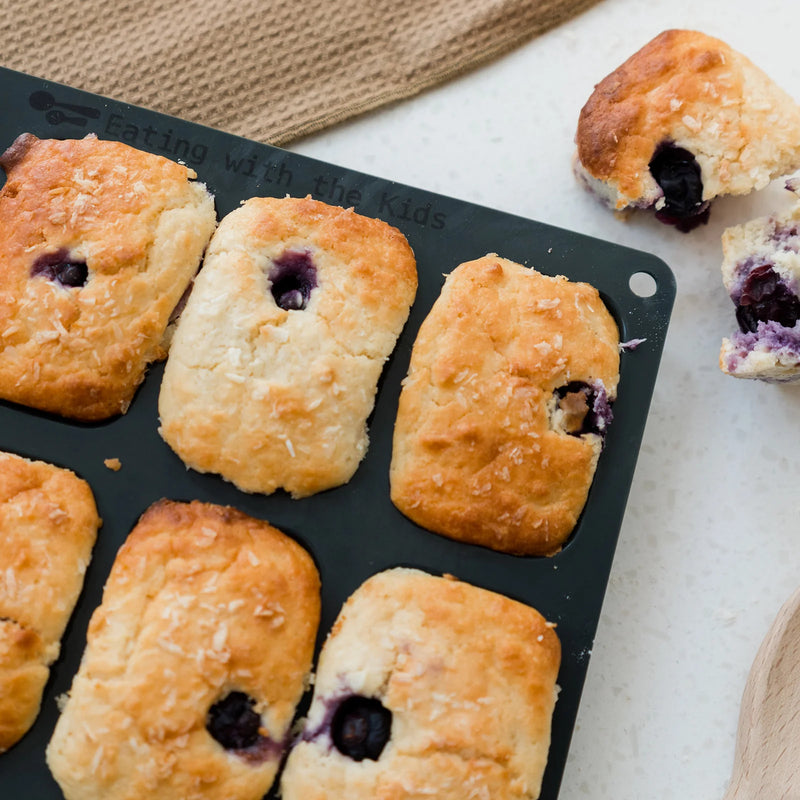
428	687
682	121
274	368
98	242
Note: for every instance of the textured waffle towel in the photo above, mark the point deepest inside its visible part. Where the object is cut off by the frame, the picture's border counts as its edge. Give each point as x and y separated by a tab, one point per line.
271	70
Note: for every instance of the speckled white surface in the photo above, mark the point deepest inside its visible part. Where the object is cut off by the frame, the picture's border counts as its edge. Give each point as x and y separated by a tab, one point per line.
710	545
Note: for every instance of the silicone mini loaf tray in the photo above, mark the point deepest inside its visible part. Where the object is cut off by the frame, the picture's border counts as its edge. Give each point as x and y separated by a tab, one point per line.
353	531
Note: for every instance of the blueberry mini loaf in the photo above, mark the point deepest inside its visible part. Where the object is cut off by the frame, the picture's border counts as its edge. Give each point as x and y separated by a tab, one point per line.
48	526
502	415
194	661
98	241
428	687
274	366
682	121
761	271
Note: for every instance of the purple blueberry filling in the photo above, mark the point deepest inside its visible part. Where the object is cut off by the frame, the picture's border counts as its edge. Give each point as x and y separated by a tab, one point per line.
235	725
678	174
786	238
585	408
360	727
764	297
769	337
292	278
61	268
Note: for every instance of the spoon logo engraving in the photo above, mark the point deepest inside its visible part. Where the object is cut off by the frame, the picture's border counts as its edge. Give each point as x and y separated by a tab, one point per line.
56	113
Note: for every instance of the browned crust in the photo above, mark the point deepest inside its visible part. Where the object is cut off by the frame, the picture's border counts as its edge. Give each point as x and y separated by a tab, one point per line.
17	151
687	88
475	454
613	125
140	225
380	259
23	675
201	600
48	526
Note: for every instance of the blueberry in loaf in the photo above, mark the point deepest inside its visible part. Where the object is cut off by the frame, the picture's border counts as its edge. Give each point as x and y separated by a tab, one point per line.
48	526
194	662
503	414
274	366
761	271
428	687
682	121
98	242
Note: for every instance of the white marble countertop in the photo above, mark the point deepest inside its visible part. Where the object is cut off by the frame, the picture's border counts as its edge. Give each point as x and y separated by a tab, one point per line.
708	549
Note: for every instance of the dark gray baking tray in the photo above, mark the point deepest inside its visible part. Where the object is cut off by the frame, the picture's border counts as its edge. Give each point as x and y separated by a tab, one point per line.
353	531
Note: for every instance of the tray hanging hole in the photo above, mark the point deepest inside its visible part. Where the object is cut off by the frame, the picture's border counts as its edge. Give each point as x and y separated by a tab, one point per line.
643	284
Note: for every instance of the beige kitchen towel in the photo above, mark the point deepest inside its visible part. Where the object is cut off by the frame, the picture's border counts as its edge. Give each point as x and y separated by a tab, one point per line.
270	70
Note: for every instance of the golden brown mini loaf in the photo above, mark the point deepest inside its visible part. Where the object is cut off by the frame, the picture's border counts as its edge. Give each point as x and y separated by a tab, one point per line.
194	661
683	120
48	526
502	415
428	687
98	241
274	367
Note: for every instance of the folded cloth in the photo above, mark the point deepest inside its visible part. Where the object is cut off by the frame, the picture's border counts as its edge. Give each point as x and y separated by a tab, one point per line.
270	70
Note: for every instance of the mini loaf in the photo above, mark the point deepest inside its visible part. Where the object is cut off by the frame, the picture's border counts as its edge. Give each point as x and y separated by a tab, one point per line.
761	271
684	120
428	687
98	242
502	415
275	363
48	526
194	661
